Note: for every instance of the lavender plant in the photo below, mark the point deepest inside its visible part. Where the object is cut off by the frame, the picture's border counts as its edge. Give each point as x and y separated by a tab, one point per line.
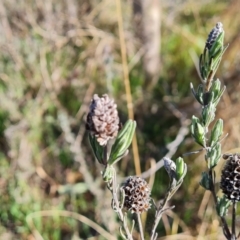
110	144
208	94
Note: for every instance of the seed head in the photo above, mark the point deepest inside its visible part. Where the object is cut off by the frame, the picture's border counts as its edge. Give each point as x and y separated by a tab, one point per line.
137	195
102	119
213	35
230	179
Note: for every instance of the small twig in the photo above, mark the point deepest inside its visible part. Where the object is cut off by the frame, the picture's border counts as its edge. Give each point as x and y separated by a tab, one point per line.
160	211
140	226
193	152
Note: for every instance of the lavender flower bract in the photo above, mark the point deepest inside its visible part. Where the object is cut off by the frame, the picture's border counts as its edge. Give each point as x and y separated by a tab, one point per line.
102	119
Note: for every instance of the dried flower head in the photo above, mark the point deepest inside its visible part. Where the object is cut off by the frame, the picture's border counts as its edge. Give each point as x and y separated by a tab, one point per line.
213	35
137	195
230	179
102	119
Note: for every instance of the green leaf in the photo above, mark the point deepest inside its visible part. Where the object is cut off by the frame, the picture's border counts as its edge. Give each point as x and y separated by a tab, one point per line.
218	44
216	132
205	181
122	142
222	206
208	113
197	131
97	148
180	168
216	87
199	94
213	155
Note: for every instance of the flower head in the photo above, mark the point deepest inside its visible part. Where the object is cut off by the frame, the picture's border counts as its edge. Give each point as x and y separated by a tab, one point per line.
230	179
137	195
102	119
214	34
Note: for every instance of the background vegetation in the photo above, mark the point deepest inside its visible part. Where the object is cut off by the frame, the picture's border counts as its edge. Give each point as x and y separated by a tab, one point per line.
54	55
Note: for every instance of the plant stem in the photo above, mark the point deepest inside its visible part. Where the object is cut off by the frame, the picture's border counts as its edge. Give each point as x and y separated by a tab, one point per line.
158	217
226	230
234	221
117	205
140	226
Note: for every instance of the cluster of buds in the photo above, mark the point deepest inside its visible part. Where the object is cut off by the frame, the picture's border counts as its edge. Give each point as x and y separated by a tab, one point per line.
176	172
208	95
212	37
230	179
212	54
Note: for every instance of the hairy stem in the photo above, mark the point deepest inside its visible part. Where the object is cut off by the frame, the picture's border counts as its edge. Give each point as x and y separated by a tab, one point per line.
158	217
140	226
118	208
